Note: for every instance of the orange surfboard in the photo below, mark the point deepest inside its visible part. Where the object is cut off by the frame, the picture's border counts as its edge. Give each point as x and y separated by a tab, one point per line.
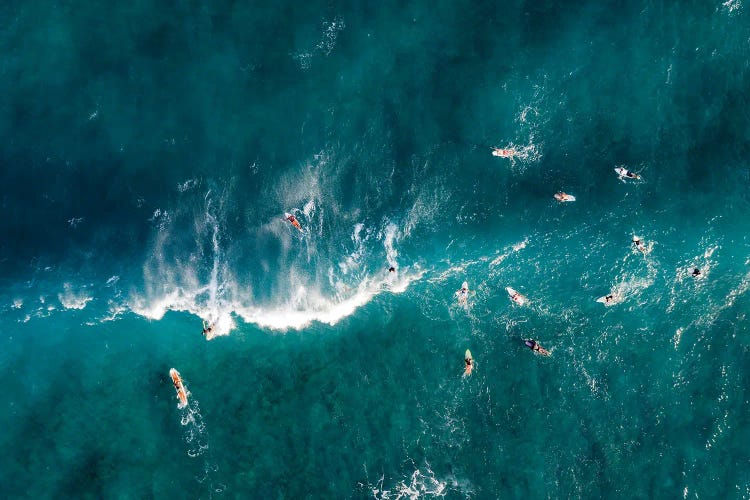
294	221
177	381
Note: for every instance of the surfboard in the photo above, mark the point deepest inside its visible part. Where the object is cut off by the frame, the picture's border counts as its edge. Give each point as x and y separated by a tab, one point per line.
515	296
462	296
603	300
294	222
622	172
503	153
470	366
564	197
177	381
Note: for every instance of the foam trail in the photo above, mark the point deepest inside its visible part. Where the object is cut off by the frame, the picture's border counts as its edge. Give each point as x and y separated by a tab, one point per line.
197	438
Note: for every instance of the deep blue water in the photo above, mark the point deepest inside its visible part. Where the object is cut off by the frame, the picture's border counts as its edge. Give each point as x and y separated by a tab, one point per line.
151	150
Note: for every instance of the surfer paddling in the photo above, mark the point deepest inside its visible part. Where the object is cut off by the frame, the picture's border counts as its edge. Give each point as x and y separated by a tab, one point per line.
534	346
291	218
637	243
623	173
696	272
564	197
177	381
504	152
463	293
207	329
469	361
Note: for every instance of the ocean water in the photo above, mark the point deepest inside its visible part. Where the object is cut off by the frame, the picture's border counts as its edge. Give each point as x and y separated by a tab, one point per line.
150	151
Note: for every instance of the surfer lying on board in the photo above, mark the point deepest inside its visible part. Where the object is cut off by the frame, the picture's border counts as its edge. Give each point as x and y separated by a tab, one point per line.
609	298
294	221
463	293
469	364
207	328
623	172
696	272
639	244
531	344
391	269
504	152
564	197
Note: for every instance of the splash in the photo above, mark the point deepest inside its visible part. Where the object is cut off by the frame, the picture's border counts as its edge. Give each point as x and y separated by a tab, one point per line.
198	443
418	485
71	299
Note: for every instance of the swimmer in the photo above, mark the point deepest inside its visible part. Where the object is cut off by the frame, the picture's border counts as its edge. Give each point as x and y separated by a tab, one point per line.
294	221
469	364
696	272
532	344
504	152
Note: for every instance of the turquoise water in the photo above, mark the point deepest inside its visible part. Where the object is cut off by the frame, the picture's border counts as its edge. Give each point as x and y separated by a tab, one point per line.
150	152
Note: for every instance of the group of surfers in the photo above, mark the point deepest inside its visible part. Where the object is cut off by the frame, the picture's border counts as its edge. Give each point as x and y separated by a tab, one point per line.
516	297
462	294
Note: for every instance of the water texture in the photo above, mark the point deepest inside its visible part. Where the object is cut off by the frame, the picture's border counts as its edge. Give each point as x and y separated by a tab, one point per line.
150	151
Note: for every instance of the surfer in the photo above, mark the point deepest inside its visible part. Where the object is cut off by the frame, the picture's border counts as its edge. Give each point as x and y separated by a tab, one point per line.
469	364
564	197
391	269
532	344
463	293
696	272
639	244
609	298
291	218
624	172
207	328
177	381
504	152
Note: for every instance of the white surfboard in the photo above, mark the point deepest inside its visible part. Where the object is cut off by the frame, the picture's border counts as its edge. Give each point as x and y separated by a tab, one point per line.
612	301
461	294
564	197
622	173
516	297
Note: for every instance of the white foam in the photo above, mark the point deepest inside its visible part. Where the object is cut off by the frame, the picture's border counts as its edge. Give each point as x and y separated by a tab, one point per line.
71	299
187	185
419	485
732	5
390	235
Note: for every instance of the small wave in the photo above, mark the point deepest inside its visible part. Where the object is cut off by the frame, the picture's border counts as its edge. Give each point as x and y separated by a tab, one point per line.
187	185
732	5
420	484
71	299
304	308
75	221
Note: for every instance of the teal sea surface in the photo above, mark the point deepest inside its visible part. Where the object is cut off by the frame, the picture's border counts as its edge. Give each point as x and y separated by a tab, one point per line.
151	150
